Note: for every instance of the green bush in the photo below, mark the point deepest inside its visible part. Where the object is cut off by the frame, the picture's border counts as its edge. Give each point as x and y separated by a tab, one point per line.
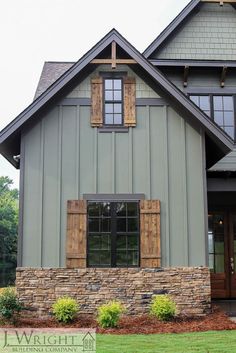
9	304
109	314
163	307
65	309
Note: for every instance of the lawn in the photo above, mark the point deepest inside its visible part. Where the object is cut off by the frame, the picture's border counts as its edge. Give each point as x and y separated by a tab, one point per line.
200	342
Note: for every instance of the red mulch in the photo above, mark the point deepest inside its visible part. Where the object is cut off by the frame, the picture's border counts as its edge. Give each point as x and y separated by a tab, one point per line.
145	324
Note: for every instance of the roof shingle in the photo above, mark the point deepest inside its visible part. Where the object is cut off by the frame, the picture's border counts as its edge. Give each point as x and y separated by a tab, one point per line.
52	70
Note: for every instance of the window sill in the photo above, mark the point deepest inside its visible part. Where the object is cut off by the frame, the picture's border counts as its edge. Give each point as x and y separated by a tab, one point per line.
113	129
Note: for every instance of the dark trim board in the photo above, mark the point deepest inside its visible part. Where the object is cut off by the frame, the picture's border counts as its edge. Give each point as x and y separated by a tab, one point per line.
155	102
75	101
114	197
192	63
109	129
139	101
221	184
210	90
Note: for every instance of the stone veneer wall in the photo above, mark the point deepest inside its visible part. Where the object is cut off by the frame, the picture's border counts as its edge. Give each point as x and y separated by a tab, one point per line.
38	288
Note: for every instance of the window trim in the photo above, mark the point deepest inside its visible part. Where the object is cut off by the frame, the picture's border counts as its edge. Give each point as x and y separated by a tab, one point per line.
113	234
112	77
211	95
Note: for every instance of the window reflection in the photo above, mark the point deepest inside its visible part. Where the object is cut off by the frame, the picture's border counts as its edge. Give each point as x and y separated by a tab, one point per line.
220	109
216	243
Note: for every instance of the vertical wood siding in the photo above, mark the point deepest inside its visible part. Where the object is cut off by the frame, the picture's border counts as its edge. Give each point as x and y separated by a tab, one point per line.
65	158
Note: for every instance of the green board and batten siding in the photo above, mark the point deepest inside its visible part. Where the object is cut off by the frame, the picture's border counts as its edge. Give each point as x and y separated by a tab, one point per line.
66	158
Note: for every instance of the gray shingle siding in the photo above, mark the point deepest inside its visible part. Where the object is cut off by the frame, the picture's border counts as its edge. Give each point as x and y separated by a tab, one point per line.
208	35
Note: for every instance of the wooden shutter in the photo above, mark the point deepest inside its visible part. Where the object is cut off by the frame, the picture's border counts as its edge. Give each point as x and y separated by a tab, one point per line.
96	102
76	234
129	101
150	233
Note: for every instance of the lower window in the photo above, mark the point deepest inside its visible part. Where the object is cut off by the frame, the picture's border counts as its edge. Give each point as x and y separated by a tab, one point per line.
113	234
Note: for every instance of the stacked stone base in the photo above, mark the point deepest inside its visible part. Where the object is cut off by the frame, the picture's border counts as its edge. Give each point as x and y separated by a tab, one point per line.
38	288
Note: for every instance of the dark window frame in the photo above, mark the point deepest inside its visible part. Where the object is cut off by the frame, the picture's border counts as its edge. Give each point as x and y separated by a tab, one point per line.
113	77
211	96
113	233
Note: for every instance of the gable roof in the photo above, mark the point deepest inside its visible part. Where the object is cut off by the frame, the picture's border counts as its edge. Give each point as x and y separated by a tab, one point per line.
171	28
10	135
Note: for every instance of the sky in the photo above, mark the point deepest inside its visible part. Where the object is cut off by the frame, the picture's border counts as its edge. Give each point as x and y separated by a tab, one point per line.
34	31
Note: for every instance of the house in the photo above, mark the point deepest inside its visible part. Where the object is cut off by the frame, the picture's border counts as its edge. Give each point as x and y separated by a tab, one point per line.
127	170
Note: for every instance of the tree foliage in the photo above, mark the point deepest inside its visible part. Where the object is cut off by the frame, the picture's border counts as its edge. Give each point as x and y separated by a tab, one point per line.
8	226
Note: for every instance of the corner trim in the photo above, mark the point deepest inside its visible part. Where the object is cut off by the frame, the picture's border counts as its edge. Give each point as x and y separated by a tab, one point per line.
204	176
21	206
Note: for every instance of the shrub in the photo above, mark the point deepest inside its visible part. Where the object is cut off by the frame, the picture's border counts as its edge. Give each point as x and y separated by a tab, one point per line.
9	304
163	307
109	314
65	309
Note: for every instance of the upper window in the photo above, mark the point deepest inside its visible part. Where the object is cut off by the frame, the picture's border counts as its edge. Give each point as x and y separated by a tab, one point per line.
202	102
113	101
113	234
220	109
223	111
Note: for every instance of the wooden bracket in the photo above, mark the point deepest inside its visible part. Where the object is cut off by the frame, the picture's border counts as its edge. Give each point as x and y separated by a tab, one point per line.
186	72
113	60
223	76
113	55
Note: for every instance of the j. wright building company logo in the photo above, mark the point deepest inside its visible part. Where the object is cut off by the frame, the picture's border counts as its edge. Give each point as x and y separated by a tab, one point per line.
48	340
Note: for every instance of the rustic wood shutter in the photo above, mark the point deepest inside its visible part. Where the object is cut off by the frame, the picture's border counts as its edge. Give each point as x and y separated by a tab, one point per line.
150	233
97	102
76	234
129	101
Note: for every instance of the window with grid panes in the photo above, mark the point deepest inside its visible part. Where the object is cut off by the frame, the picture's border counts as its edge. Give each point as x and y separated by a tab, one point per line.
220	109
113	101
113	234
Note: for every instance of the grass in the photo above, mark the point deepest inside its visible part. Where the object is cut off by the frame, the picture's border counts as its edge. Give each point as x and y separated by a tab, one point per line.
199	342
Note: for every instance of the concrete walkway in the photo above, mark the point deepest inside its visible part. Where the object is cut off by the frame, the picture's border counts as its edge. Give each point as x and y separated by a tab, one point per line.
229	306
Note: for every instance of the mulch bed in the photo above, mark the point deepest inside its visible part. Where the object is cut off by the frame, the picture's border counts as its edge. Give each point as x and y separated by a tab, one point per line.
145	324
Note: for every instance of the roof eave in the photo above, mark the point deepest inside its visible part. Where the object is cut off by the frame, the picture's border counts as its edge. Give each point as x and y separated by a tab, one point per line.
216	133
